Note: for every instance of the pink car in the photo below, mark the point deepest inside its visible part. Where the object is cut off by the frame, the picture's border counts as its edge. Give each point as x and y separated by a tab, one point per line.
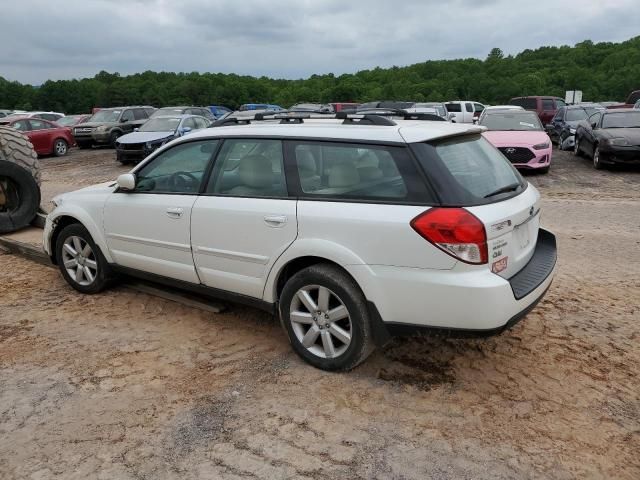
520	137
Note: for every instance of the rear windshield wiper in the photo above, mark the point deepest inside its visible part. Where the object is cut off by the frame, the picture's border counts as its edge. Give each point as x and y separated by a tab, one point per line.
507	188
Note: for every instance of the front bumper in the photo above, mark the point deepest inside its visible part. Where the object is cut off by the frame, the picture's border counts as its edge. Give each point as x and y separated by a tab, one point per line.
461	302
101	137
618	154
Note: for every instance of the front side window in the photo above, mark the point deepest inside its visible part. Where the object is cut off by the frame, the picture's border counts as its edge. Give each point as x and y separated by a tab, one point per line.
127	116
468	171
140	114
21	125
453	107
469	107
478	107
249	168
177	170
351	171
595	119
547	104
559	115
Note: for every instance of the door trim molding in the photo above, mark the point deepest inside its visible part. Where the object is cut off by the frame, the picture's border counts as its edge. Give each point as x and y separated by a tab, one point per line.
246	257
150	242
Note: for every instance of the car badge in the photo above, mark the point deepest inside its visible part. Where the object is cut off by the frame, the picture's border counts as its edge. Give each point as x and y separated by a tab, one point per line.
510	150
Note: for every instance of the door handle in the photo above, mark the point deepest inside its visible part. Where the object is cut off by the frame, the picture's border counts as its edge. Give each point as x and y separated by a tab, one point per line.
275	220
174	212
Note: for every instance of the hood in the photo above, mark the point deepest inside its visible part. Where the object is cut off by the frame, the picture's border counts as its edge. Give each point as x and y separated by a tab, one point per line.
98	189
143	137
500	138
573	123
631	134
95	124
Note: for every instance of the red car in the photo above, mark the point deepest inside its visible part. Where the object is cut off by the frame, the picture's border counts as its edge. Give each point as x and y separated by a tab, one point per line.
545	107
47	137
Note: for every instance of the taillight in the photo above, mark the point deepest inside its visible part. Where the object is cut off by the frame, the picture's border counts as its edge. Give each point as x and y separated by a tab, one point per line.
454	231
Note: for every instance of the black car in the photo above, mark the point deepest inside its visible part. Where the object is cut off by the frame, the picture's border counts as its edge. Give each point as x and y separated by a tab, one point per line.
610	136
562	127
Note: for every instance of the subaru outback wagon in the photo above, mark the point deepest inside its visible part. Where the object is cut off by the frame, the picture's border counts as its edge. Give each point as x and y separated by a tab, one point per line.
348	229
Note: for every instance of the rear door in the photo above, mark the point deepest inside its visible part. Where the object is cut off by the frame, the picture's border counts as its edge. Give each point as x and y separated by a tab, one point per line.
245	219
548	110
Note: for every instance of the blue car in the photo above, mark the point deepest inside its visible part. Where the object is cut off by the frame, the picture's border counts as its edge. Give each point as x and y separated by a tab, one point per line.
219	110
562	128
154	133
260	106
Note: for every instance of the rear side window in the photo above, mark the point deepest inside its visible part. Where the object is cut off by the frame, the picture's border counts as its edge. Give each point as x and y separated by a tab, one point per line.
469	107
140	114
357	172
468	171
453	107
547	104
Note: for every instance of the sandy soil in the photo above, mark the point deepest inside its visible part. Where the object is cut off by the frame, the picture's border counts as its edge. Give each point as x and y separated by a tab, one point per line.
124	385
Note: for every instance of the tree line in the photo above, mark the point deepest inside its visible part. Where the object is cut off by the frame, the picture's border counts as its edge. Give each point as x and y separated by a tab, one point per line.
603	71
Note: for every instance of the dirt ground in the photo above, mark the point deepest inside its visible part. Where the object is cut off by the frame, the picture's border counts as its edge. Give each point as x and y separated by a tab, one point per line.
123	385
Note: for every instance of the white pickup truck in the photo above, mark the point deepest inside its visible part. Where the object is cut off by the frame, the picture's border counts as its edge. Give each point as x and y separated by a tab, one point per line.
464	111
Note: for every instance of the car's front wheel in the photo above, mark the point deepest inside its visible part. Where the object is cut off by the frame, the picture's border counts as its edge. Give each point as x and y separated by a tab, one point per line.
325	316
576	147
80	260
597	159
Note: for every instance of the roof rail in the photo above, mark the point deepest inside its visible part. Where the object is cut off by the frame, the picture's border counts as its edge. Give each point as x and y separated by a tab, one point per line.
424	116
356	119
230	120
300	117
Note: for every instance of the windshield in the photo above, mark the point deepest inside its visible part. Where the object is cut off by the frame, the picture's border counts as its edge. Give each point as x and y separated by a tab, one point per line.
161	124
66	121
467	170
621	120
106	116
505	121
576	114
167	111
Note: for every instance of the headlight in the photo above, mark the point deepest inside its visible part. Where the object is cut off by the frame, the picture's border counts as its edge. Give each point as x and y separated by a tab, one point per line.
541	146
57	200
101	128
621	142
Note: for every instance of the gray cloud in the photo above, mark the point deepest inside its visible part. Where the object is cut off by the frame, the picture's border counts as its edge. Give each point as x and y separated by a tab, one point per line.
41	40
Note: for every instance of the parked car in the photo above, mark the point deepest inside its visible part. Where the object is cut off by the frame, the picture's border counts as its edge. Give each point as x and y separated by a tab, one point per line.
157	131
260	106
562	127
312	108
637	105
520	137
47	137
108	124
5	113
219	111
172	111
629	102
545	107
342	106
439	108
72	120
496	108
464	111
274	215
609	137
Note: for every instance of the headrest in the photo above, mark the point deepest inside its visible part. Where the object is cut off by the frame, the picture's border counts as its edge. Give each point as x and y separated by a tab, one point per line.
255	171
345	175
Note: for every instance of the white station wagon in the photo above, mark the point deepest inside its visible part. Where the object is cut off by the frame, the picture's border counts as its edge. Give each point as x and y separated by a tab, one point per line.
350	229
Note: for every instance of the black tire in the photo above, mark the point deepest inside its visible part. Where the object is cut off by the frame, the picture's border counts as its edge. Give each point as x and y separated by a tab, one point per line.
344	290
60	147
103	275
122	159
114	137
576	148
19	181
84	145
597	158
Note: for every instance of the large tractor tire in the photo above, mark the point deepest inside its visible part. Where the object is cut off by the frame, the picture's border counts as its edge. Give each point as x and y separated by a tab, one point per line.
19	181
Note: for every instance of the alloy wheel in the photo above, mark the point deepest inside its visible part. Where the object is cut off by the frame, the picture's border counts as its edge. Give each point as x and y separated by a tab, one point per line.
321	321
61	147
79	260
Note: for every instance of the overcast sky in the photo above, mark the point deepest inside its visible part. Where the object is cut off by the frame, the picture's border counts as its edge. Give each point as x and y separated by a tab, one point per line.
45	39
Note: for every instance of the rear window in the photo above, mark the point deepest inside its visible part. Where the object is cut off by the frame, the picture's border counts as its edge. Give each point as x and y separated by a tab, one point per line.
453	107
468	171
526	103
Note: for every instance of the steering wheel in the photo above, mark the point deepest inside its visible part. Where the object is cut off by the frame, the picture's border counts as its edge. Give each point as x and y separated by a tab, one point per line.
183	181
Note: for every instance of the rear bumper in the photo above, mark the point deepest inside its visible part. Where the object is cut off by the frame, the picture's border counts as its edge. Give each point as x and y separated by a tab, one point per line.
458	302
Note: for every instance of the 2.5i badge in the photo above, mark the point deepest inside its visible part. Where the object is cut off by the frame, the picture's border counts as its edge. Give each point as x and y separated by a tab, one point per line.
500	265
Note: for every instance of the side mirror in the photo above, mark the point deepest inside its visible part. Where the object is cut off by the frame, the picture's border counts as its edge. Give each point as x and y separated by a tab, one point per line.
186	130
126	182
594	124
136	129
123	120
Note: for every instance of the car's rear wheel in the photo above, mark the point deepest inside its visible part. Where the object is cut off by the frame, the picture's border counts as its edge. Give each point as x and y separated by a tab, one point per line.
325	316
60	148
597	159
80	260
113	138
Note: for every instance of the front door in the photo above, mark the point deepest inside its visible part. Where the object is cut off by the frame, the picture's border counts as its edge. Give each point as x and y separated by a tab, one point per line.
148	229
245	220
40	136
